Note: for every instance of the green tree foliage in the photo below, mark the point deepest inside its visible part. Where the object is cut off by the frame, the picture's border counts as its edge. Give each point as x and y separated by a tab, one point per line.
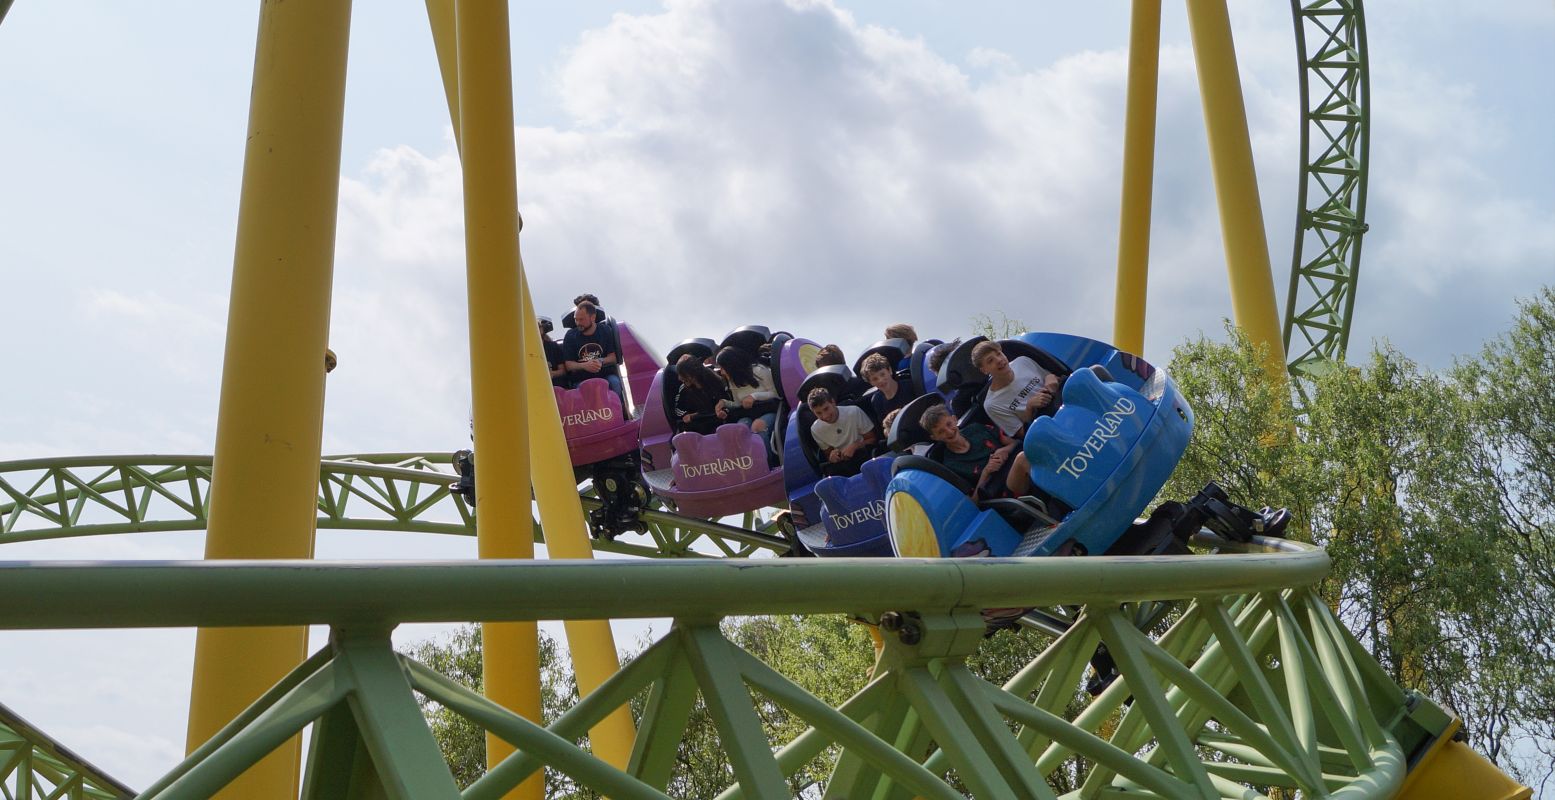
1244	428
828	656
1508	390
1001	327
463	742
1432	493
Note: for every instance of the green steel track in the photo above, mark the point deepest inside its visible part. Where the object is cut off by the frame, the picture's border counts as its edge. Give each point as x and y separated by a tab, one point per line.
32	765
394	492
1255	684
1331	193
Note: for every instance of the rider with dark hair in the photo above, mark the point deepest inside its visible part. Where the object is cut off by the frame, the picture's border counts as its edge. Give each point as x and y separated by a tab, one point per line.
889	394
901	330
754	399
699	402
845	434
978	454
830	355
591	349
940	352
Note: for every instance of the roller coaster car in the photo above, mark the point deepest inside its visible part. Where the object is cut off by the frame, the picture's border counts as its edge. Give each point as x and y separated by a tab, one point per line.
602	433
598	425
718	474
1105	453
852	512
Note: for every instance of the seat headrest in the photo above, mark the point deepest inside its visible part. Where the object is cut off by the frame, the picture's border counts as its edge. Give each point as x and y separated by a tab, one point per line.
701	348
775	362
1015	348
749	338
894	350
569	322
907	429
923	380
833	379
957	369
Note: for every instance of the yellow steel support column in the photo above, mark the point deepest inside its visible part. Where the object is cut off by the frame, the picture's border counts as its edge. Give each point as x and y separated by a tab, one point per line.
1236	183
591	642
1144	58
511	670
264	489
440	15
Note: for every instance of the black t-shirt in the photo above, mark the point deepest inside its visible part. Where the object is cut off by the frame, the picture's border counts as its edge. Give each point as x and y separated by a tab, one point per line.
701	402
578	346
554	358
882	406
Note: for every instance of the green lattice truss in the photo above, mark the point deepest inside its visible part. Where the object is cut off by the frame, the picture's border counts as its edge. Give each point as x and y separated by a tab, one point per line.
1331	201
400	492
35	767
1255	684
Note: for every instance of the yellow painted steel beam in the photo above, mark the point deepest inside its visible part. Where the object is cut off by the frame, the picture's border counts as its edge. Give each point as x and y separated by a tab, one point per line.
266	469
1236	182
590	642
497	340
440	15
1144	57
1451	770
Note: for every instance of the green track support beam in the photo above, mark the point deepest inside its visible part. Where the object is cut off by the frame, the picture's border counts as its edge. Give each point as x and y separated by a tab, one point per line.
1251	650
1331	194
33	764
392	492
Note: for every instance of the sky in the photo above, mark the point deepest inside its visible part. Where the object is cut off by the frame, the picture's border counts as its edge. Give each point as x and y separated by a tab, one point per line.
825	167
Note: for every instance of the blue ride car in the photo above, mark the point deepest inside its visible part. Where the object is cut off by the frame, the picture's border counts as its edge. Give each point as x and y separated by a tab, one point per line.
1098	461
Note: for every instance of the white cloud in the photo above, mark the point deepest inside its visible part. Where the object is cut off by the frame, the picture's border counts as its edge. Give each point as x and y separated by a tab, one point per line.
783	163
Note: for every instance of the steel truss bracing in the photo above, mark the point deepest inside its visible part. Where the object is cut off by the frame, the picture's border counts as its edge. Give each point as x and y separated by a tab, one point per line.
1331	195
1254	684
34	766
400	492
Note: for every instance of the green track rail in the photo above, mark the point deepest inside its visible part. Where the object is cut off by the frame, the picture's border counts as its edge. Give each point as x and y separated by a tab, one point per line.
59	498
1331	194
1254	685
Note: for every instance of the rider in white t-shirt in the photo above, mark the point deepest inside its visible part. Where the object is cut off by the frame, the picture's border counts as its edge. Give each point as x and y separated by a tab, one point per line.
1020	390
845	434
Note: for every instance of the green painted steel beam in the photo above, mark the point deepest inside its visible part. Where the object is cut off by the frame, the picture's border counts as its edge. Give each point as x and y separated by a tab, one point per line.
59	498
354	693
1331	194
41	595
28	756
